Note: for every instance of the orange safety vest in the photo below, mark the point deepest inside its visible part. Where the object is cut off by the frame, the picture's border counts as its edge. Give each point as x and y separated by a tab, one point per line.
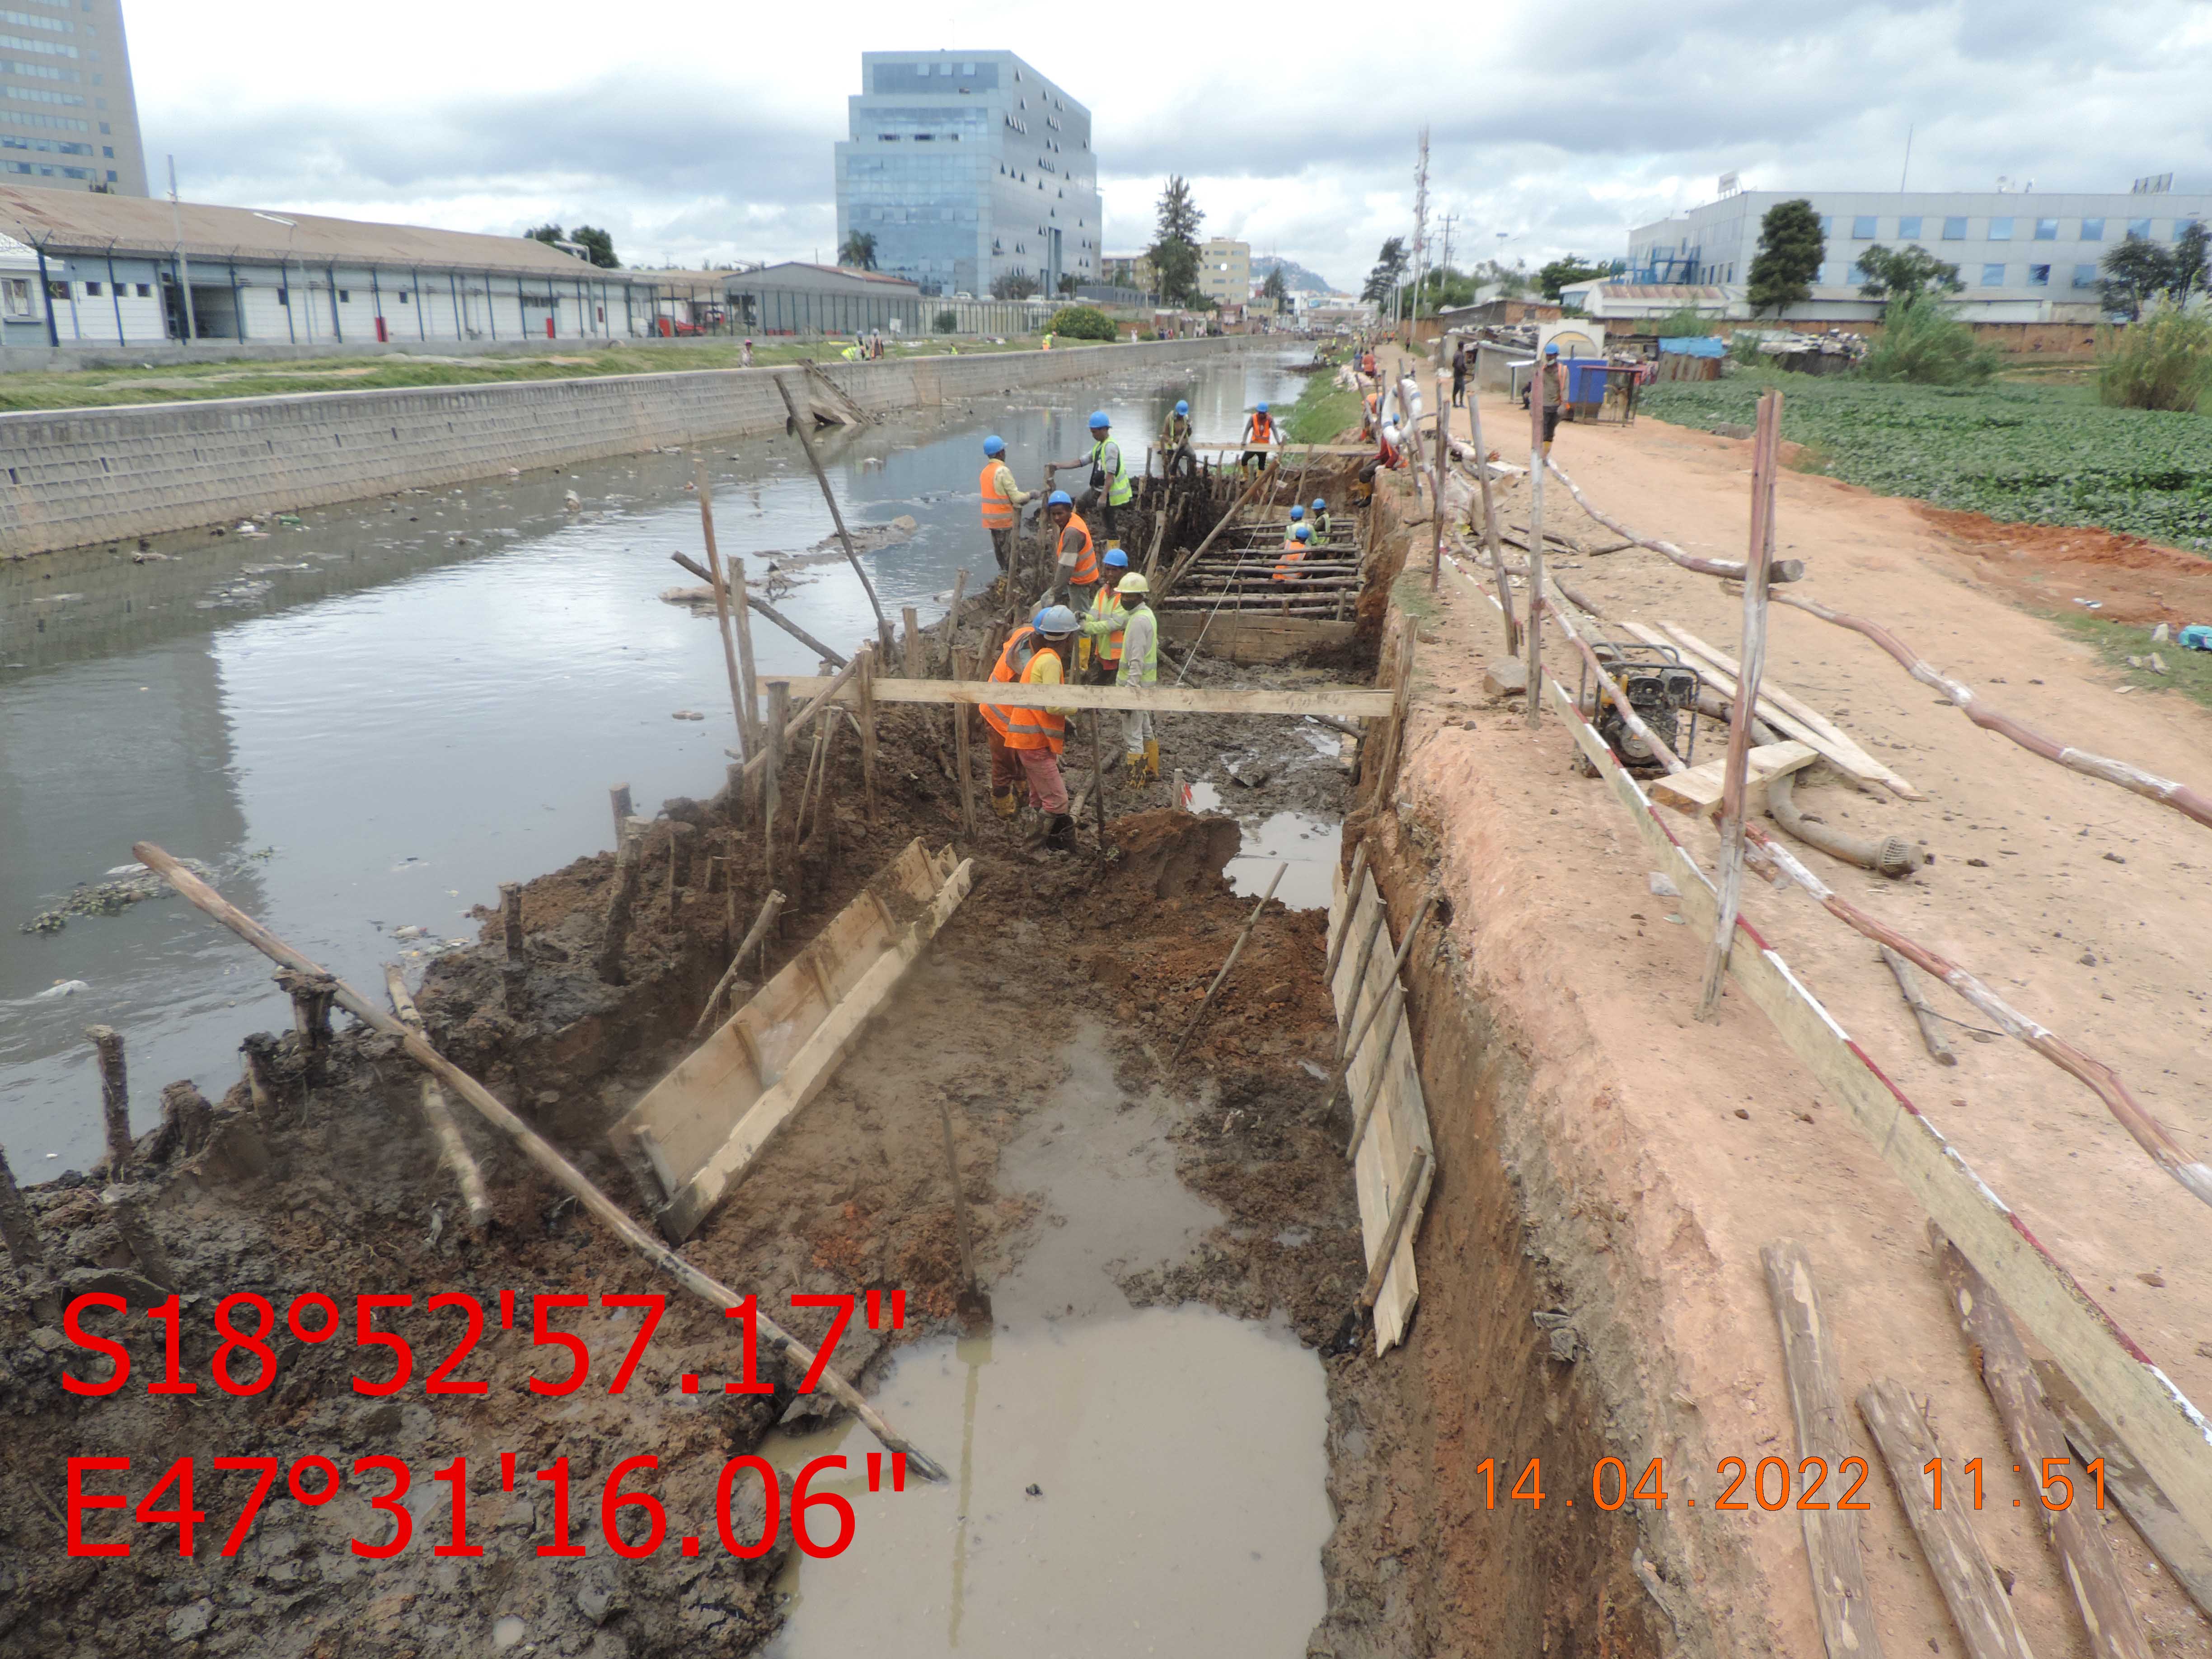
1102	605
1292	554
1391	455
1038	728
1086	562
1024	640
1263	428
998	511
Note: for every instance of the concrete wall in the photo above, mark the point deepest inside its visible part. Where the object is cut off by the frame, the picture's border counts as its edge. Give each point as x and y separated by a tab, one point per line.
73	478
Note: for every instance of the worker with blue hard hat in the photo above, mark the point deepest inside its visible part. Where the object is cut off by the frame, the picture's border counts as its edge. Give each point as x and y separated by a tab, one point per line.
1319	520
1103	619
1294	549
1261	434
1297	514
1555	372
1026	743
1110	487
1075	562
1003	501
1175	441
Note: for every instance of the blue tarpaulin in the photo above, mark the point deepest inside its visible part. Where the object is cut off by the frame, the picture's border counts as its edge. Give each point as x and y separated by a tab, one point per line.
1702	345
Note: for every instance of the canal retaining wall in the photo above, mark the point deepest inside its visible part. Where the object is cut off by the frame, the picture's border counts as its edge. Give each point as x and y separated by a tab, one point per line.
77	477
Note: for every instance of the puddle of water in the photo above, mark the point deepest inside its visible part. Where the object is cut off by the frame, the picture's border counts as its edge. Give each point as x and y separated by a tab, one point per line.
1178	1455
1311	845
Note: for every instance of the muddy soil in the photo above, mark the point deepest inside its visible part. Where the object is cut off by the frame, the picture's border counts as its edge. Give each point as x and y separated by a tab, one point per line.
332	1186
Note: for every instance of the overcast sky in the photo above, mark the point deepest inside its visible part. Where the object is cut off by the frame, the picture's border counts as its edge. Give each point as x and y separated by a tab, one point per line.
697	132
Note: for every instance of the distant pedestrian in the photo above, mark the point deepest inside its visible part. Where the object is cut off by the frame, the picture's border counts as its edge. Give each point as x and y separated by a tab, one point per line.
747	360
1458	376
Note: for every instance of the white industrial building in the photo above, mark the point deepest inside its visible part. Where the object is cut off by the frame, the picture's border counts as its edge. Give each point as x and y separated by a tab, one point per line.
2023	256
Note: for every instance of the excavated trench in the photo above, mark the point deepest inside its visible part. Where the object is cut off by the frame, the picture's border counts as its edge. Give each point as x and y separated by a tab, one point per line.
1175	1436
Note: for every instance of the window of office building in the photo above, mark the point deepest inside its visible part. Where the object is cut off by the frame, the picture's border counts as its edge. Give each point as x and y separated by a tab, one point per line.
2039	276
2139	228
1827	224
1908	228
2093	230
2047	230
1993	276
1954	230
2085	275
2000	230
1863	226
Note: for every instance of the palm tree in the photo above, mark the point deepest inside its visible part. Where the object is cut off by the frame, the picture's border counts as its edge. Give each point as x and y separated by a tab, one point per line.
858	251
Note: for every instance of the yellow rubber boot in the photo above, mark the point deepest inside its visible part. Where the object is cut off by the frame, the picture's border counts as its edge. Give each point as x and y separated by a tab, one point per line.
1153	760
1002	802
1136	763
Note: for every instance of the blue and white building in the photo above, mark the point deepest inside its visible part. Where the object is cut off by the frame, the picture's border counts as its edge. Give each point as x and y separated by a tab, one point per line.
2024	256
966	167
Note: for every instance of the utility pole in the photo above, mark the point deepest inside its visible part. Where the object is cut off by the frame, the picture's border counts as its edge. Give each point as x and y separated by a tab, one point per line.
1445	263
184	265
1420	230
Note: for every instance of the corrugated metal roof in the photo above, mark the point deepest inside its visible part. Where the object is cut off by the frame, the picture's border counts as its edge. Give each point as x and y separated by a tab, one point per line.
1709	292
81	221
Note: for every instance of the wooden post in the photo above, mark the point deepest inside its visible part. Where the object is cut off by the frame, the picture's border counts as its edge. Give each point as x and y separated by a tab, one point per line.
779	1342
1766	452
452	1150
1351	906
1931	1028
114	1097
510	915
129	1219
867	684
623	810
1444	465
972	1292
1365	955
1490	524
311	996
1978	1604
741	703
2040	1438
1400	1207
1535	641
259	1050
1392	1003
851	558
622	897
683	849
1359	1031
1809	1362
779	716
962	762
19	1228
1235	952
953	616
1402	699
771	908
912	618
1098	779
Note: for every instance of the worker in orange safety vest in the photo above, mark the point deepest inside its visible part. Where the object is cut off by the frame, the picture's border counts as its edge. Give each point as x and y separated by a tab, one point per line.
1075	567
1026	743
1003	501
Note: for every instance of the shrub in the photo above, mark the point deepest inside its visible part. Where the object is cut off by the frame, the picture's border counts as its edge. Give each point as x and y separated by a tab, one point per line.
1923	344
946	321
2164	361
1684	324
1081	323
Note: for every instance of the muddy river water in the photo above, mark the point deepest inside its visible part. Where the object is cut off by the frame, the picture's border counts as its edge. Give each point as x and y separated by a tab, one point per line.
365	722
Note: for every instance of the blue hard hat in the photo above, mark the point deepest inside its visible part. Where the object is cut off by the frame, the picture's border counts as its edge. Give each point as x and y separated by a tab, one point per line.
1116	559
1263	409
1056	619
1060	498
1181	408
995	445
1301	533
1551	351
1296	512
1320	505
1098	421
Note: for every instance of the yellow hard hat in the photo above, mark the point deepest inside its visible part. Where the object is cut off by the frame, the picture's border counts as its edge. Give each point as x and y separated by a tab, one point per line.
1133	583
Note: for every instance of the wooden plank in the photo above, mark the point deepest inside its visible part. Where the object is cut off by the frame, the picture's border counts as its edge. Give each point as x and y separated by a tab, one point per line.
810	1068
1979	1606
1840	1600
1698	791
1832	736
1848	759
2155	1419
2035	1432
2171	1538
1347	702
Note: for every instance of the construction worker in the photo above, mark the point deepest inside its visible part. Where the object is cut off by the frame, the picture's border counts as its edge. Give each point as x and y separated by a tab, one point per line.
1259	434
1075	567
1175	441
1371	413
1555	400
1099	650
1294	550
1318	517
1139	666
1298	516
747	360
1026	743
854	353
1003	501
1110	476
1392	453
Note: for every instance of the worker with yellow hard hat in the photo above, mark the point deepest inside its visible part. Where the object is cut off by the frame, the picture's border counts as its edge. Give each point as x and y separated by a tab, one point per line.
1139	666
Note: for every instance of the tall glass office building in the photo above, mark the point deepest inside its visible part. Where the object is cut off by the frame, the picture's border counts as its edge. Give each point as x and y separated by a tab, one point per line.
968	166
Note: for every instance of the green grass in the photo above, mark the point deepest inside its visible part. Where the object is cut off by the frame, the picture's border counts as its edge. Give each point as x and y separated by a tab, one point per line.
2035	453
1323	409
2189	672
192	382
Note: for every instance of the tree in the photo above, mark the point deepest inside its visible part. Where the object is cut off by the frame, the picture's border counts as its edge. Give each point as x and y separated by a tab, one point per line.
858	251
1014	285
1790	249
1511	280
598	246
1550	278
2135	271
1903	275
1173	251
1274	290
946	321
1068	284
1389	271
1082	323
1923	343
2188	261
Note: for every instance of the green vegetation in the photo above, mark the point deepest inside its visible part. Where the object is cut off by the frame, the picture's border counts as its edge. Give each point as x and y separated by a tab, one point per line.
1323	411
1904	274
598	246
1550	278
1683	323
1173	251
2032	453
1923	344
2164	361
1791	248
1389	273
1081	323
2189	672
94	388
858	251
946	321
